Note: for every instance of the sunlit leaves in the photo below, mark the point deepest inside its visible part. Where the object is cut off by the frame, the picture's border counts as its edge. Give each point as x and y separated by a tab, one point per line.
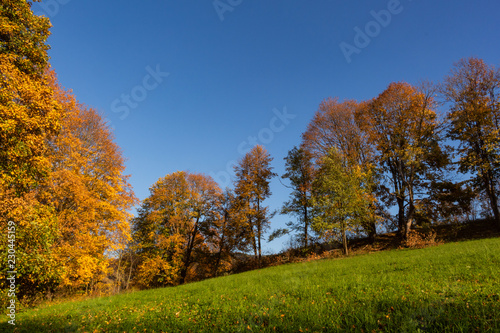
23	35
334	125
173	226
253	174
341	197
401	124
29	117
88	191
337	125
29	114
35	235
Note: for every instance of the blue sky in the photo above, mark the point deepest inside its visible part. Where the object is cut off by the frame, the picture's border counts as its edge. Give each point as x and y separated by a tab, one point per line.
187	85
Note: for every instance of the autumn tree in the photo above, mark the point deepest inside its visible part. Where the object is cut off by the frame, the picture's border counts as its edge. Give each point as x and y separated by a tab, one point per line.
300	172
473	90
28	112
401	123
336	126
29	116
220	230
253	174
169	227
225	232
89	192
23	35
36	230
78	213
61	174
341	197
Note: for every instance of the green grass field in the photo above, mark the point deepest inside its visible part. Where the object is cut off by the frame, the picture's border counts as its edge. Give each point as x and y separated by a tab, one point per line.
454	287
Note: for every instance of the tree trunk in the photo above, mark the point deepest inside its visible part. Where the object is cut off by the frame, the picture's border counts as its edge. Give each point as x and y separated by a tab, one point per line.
371	231
258	239
221	245
490	191
118	274
217	263
408	224
259	231
496	213
254	242
401	217
344	239
409	217
400	200
187	259
306	225
130	270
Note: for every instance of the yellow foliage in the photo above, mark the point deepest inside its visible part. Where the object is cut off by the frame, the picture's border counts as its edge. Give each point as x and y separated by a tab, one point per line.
28	116
157	271
90	194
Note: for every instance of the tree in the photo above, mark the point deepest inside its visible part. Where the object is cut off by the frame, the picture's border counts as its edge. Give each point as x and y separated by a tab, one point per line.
28	112
225	232
342	196
253	174
168	228
88	191
61	174
23	35
29	116
336	125
300	172
220	231
402	124
473	89
36	230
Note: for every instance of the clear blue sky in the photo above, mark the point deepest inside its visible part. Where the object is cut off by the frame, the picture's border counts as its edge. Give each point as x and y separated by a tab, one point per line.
231	69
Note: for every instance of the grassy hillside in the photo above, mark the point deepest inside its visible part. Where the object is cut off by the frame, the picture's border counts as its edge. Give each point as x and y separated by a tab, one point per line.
453	287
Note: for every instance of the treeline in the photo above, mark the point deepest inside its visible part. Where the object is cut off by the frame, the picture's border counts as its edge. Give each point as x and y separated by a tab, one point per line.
61	175
389	163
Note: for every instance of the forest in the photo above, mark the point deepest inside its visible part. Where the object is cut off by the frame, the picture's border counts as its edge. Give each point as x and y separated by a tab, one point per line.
415	156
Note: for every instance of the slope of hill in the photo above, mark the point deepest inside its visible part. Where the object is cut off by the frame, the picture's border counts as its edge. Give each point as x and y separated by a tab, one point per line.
454	287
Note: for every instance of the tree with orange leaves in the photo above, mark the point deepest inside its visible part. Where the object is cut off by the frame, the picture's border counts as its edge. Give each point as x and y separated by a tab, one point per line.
28	111
402	125
170	229
61	174
225	234
253	174
89	192
29	117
